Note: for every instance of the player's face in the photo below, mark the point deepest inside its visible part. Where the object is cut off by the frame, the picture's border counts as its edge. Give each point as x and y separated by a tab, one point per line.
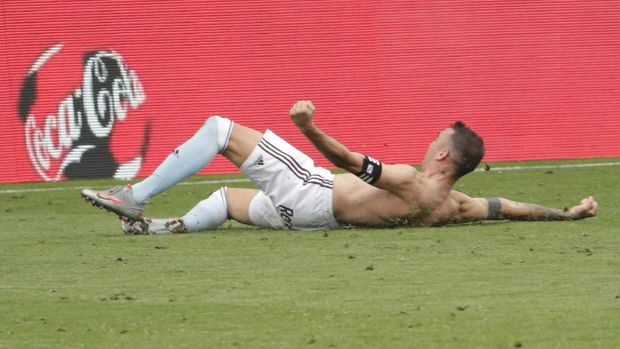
440	143
444	138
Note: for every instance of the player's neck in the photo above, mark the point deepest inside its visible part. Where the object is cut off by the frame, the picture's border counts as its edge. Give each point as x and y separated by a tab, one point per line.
440	175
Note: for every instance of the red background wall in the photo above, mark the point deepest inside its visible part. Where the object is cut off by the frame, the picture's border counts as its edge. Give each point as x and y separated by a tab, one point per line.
538	80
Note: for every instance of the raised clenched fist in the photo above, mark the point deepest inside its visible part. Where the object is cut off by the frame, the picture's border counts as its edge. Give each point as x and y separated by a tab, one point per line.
301	113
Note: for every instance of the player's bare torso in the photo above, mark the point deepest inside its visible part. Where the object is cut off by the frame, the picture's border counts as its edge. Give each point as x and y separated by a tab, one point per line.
423	204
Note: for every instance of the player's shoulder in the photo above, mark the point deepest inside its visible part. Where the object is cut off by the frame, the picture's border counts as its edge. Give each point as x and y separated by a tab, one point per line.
398	176
468	207
401	172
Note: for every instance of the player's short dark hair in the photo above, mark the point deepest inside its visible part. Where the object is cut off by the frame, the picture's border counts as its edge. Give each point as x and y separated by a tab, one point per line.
467	150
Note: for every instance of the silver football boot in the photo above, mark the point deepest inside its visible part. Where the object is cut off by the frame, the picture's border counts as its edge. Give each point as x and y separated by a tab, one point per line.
118	200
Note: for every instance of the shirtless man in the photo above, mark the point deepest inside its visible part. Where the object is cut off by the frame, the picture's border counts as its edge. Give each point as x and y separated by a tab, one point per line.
295	194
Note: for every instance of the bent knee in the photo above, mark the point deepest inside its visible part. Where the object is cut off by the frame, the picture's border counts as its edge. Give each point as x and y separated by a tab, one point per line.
220	128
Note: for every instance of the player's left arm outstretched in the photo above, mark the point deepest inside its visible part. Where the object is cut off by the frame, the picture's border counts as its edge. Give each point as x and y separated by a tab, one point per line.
476	209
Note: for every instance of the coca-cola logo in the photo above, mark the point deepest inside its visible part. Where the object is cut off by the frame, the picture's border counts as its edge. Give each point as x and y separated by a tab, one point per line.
73	141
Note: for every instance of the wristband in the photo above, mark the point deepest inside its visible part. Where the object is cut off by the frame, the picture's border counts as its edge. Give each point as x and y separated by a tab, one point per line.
371	170
495	208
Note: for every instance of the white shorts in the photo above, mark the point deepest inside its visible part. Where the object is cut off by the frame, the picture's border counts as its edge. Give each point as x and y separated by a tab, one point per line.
295	194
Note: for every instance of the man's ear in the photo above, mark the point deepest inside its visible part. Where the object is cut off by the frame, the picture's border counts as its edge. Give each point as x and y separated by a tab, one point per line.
442	154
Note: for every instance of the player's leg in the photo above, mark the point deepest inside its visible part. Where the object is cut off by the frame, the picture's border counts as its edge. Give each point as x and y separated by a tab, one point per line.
221	205
247	206
190	157
217	136
208	214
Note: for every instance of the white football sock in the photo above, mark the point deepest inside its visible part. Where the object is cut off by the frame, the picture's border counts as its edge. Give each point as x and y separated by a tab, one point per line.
211	139
210	213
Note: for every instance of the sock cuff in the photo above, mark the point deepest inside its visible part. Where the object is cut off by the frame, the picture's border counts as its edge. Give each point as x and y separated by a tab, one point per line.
222	192
224	130
217	201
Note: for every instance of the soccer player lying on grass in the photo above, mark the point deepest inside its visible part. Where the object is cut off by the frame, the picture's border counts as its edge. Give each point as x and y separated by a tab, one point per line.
295	194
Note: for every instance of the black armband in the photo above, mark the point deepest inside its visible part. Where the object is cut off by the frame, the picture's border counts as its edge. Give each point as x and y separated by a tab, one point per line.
371	170
495	208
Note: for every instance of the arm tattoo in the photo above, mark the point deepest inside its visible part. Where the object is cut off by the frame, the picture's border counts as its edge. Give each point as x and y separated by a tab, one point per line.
495	209
541	213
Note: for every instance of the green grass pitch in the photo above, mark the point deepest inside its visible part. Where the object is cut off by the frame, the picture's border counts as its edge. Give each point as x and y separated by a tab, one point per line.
70	278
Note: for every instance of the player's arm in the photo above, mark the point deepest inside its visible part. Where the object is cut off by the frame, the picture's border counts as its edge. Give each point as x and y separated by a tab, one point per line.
368	169
475	209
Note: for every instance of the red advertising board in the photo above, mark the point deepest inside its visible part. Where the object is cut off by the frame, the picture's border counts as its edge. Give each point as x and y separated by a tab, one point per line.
109	88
